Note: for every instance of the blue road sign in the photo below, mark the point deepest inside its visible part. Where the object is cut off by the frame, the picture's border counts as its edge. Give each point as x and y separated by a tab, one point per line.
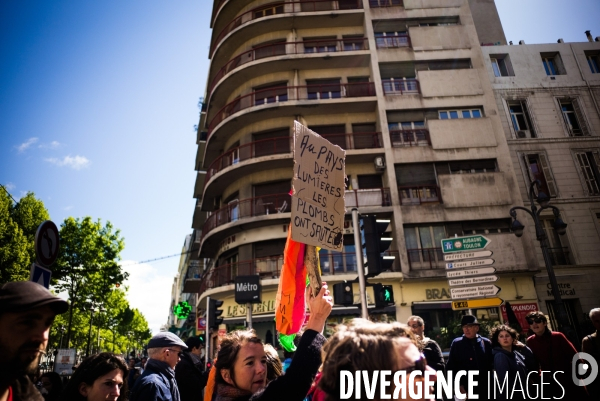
40	275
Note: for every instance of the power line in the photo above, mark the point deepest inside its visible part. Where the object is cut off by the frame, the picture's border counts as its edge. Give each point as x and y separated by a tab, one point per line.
155	259
4	188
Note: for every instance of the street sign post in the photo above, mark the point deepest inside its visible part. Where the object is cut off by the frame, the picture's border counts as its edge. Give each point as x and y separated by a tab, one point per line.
461	244
467	255
473	280
478	291
477	303
46	243
470	272
470	263
40	275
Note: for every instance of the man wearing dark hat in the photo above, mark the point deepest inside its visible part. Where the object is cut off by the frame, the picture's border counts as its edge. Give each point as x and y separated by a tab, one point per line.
27	311
190	373
471	352
157	383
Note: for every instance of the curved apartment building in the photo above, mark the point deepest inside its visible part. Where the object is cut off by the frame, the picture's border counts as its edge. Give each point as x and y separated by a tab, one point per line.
402	86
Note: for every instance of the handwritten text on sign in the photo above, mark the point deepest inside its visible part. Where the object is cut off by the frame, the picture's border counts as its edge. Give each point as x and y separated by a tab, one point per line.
318	205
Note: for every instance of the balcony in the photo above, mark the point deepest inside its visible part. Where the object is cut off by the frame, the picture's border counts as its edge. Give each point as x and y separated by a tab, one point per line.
368	197
385	3
401	86
289	48
410	137
281	94
417	195
392	42
425	259
271	9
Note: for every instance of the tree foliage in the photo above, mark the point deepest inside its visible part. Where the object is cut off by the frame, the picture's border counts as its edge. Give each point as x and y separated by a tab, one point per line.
87	268
18	224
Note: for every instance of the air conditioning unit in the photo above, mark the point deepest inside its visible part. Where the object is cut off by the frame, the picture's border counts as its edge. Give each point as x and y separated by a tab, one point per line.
523	134
379	163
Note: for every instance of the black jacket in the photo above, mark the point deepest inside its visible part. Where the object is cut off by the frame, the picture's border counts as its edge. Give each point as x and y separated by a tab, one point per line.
466	354
191	378
295	383
433	354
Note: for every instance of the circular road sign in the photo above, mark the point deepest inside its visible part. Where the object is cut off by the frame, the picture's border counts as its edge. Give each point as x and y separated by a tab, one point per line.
46	243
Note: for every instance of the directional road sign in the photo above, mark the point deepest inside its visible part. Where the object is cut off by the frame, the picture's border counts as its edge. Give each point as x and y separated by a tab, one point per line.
40	275
473	280
467	255
477	303
470	263
470	272
461	244
478	291
46	243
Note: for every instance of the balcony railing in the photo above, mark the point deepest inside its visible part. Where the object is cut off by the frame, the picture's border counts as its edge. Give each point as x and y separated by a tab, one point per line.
392	42
356	140
425	258
559	256
285	8
416	195
251	207
225	274
281	203
385	3
368	197
283	48
285	93
342	263
410	137
400	86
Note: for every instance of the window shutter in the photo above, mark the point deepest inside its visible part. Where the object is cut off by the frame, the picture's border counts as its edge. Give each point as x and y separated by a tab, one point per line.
580	118
527	169
548	175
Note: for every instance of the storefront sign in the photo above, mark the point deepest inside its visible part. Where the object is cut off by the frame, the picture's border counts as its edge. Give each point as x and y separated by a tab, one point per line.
257	309
437	293
521	310
565	289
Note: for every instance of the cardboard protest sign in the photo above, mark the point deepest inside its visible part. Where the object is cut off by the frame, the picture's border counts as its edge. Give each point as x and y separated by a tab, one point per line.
318	204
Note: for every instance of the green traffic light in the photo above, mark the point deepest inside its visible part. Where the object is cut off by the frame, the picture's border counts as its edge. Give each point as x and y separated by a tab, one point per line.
387	296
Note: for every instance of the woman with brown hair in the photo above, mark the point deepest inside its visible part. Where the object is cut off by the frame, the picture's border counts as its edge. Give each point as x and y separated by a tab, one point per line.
99	377
240	371
362	345
514	360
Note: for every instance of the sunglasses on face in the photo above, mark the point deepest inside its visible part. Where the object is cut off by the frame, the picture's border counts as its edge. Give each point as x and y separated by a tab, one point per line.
534	320
420	364
414	326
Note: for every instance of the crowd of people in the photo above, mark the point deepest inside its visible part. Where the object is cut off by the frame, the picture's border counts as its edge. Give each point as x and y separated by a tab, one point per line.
245	369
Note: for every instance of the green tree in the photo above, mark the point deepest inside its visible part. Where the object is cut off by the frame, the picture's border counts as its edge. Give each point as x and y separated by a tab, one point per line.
18	224
87	267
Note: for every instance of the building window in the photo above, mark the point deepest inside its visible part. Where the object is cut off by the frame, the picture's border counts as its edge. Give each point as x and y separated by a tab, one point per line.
385	3
268	10
467	167
391	39
589	165
423	246
558	244
593	60
537	168
501	65
452	114
324	88
320	45
521	121
271	93
552	64
353	42
417	184
573	117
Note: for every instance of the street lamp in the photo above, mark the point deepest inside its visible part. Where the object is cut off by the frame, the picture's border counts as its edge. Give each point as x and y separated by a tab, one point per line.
561	228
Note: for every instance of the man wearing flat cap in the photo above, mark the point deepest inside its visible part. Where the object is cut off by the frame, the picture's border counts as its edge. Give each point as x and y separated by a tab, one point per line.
157	383
27	311
471	352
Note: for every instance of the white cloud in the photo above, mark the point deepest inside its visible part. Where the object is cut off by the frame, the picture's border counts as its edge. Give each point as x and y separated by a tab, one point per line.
150	292
25	145
9	186
51	145
76	163
67	208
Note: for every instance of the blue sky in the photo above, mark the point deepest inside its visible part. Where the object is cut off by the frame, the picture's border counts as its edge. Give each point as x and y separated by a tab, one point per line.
98	101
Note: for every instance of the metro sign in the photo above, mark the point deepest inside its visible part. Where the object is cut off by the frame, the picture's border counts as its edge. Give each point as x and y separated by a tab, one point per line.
461	244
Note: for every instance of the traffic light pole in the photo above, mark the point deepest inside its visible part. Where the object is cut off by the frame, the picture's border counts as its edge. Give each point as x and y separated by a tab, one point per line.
359	265
249	315
207	336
